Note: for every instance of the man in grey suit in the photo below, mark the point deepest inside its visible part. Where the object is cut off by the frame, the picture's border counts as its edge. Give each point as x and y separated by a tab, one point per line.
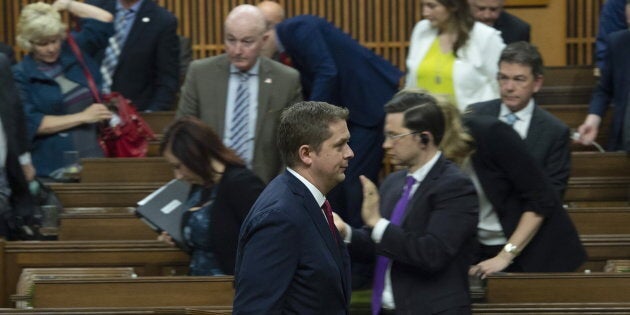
547	138
216	89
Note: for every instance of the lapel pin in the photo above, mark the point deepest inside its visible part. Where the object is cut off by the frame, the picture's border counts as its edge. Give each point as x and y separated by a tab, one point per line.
268	80
146	19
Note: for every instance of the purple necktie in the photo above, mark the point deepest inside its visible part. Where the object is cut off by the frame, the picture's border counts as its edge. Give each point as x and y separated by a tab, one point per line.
381	261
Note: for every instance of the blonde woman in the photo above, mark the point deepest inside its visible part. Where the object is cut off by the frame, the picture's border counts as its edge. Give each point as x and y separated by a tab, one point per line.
61	113
450	54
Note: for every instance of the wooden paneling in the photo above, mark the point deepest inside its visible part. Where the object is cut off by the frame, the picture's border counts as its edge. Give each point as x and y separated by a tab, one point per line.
381	25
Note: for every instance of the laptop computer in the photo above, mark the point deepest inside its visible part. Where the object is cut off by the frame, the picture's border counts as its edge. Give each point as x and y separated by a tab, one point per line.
164	209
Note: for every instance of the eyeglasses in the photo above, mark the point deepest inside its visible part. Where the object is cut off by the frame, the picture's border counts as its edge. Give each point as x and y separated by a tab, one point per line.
389	136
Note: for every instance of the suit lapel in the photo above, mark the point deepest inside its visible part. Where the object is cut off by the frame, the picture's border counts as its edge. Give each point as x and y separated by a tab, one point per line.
536	129
265	80
217	82
142	21
317	216
433	174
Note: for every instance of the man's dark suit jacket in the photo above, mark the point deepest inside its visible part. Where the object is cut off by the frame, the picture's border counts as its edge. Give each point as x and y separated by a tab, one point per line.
148	66
514	183
14	126
547	141
512	28
431	250
614	84
288	261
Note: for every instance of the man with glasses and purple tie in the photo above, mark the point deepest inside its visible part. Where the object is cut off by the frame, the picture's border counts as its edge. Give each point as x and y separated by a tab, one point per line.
423	229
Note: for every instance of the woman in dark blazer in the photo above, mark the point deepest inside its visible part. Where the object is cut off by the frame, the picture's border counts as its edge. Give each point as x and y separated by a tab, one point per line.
222	193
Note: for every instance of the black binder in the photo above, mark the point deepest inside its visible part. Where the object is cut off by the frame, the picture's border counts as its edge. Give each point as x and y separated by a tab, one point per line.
164	209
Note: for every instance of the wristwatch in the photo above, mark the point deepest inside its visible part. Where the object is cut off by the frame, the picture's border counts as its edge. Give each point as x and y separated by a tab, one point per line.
511	249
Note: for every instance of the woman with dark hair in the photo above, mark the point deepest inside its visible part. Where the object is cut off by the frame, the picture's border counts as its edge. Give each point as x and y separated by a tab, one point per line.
222	193
450	54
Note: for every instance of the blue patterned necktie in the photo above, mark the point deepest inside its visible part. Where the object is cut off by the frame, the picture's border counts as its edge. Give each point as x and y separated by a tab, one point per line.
382	262
240	138
113	50
510	119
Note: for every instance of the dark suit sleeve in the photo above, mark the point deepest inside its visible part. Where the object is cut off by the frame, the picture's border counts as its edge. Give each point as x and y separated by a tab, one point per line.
12	107
244	188
611	19
315	58
167	67
558	162
604	90
508	154
452	223
270	253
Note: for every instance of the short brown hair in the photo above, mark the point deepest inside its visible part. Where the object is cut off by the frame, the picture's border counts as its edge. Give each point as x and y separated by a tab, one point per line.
306	123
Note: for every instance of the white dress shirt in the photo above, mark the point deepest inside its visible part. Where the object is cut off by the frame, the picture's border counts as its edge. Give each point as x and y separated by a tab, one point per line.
521	125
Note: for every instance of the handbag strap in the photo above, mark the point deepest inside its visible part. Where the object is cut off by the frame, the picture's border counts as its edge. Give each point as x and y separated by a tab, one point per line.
86	71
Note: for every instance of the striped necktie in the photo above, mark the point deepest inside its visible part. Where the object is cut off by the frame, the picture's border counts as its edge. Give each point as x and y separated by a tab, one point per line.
113	50
240	137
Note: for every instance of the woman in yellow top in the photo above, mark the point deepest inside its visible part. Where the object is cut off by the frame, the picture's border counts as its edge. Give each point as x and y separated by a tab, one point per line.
452	55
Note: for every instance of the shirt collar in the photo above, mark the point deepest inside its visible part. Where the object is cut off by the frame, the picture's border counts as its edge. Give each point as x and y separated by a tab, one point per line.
253	71
523	114
422	172
134	8
319	197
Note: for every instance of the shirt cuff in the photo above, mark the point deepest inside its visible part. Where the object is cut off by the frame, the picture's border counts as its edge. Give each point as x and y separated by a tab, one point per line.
379	230
348	238
25	158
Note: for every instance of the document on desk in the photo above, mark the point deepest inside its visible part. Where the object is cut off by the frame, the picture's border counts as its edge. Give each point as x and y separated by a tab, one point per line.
164	209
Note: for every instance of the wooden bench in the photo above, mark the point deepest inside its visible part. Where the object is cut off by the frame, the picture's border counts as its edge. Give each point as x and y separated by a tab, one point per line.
148	258
158	121
550	308
596	164
136	292
23	297
602	248
567	85
106	223
125	170
603	220
178	310
102	194
598	189
599	287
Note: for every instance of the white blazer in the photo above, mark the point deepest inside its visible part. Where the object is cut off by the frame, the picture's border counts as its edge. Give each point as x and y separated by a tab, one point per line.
476	66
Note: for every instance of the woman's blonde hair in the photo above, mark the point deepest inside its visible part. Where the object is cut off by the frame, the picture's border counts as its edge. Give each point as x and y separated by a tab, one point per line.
457	145
39	21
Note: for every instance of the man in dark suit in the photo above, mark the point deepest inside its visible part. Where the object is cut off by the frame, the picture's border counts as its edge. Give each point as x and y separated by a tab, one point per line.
16	204
290	258
147	68
547	137
613	85
425	225
523	226
335	68
276	87
492	13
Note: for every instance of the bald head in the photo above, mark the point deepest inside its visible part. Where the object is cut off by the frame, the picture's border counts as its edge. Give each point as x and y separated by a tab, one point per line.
246	15
245	35
273	12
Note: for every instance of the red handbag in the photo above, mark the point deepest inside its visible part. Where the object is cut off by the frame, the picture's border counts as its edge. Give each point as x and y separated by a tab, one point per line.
128	138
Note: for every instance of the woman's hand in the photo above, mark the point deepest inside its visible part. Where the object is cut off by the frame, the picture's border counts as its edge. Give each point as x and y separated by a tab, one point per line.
166	238
95	113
